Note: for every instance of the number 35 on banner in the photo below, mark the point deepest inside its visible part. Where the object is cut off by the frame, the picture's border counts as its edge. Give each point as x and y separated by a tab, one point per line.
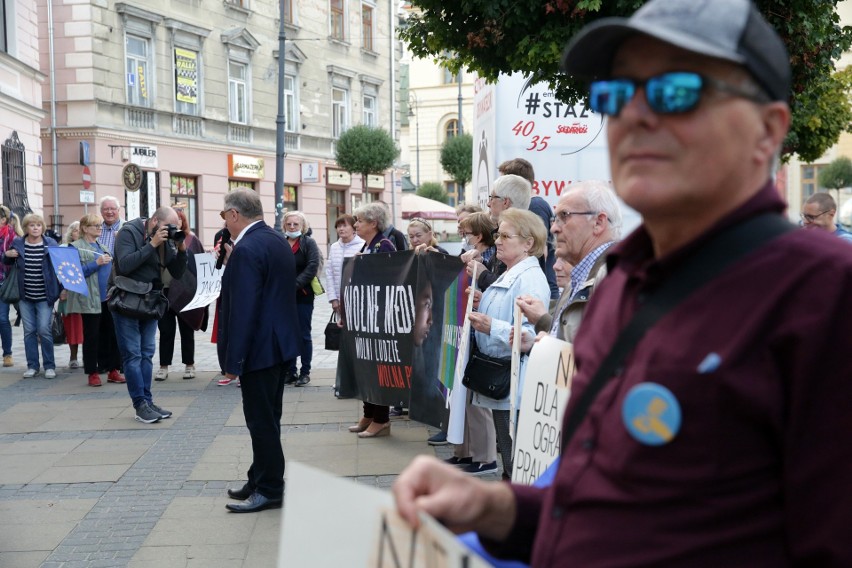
525	129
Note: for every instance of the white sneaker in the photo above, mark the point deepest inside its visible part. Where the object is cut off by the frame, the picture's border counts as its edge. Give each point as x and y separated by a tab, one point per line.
50	373
189	373
161	374
30	373
73	364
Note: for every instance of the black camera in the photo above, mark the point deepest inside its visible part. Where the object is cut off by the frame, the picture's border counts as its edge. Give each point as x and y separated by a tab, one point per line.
174	234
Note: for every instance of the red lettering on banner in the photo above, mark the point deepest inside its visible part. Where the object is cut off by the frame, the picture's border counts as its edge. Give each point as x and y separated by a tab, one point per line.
575	128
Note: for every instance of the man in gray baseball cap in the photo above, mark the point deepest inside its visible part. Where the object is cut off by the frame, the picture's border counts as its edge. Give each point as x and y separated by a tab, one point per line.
714	440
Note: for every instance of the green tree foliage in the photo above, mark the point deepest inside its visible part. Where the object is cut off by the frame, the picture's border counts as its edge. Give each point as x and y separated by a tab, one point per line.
365	150
837	174
457	159
432	190
528	36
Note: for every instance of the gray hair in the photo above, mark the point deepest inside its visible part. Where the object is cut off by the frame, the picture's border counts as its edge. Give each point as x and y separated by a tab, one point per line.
600	198
514	188
245	201
300	215
66	238
106	198
373	212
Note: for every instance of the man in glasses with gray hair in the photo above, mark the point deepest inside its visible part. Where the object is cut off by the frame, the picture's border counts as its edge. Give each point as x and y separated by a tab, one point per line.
715	441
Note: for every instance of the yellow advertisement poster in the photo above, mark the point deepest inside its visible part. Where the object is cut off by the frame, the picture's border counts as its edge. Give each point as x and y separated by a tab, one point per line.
186	76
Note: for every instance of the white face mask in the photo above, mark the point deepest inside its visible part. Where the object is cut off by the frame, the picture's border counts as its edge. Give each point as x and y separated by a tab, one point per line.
293	234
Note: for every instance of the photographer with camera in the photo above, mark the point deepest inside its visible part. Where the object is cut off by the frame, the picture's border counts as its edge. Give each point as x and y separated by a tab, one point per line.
141	248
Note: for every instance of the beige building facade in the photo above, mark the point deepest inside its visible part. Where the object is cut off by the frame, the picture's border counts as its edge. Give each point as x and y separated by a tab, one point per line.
180	98
20	106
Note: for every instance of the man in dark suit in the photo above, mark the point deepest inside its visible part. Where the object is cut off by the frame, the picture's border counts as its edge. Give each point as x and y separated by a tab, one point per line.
257	337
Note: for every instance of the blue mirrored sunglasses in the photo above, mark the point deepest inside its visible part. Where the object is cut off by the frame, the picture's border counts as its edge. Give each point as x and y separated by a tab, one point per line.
669	93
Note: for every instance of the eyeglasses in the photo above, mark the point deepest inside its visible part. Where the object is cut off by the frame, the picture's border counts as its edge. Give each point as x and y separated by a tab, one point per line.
493	197
562	217
505	236
811	218
669	93
222	213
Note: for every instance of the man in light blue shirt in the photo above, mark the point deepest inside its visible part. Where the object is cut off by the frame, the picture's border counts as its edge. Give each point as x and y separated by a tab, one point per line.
112	223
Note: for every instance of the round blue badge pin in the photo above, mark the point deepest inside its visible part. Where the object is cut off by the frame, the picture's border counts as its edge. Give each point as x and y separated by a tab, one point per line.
651	414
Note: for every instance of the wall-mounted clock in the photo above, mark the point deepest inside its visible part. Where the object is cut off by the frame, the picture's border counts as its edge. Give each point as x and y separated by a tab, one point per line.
132	177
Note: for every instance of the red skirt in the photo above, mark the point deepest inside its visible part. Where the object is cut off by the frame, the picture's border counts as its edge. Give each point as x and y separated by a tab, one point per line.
73	328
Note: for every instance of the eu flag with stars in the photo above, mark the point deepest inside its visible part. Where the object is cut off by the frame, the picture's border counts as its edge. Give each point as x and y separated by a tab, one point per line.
69	271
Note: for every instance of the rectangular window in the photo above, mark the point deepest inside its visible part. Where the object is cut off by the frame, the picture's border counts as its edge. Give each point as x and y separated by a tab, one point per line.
290	114
335	206
138	80
369	104
367	27
4	47
452	190
186	81
339	112
337	20
290	199
810	179
182	190
288	11
238	183
450	77
238	92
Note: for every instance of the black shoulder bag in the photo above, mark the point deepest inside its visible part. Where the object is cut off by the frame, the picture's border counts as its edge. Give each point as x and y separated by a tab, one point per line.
701	268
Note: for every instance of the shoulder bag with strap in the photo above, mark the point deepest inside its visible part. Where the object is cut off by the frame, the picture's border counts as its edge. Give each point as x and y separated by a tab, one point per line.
701	268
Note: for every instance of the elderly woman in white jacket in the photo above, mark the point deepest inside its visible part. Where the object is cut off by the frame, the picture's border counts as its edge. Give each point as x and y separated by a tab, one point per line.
348	244
522	238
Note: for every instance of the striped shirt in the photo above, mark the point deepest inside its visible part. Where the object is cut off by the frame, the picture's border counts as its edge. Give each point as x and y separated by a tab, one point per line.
107	238
34	288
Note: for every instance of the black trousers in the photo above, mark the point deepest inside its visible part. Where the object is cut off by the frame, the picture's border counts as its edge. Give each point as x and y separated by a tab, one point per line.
109	357
91	342
168	326
263	396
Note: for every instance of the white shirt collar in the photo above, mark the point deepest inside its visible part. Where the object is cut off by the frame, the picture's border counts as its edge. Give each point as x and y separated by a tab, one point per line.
243	232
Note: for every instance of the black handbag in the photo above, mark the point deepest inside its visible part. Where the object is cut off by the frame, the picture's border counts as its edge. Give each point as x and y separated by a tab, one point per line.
57	326
136	300
332	334
9	291
488	376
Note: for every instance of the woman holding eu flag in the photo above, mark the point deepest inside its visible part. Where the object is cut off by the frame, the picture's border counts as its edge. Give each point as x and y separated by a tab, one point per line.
39	290
96	263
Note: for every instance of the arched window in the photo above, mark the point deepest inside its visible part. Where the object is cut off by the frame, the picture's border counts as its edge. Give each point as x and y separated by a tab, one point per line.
452	129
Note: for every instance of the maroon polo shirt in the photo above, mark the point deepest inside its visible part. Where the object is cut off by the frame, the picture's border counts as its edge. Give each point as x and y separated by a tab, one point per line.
760	472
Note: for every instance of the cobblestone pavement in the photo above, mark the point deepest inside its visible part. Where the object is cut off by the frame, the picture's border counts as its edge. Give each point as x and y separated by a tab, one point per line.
82	484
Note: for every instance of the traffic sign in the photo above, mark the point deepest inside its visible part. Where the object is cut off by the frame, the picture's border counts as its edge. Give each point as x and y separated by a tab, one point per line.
87	196
87	177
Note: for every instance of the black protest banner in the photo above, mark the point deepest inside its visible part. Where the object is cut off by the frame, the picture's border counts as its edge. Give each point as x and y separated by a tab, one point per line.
378	306
440	312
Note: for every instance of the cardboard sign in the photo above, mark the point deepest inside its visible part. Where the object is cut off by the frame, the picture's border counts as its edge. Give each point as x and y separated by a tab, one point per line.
546	389
331	522
209	281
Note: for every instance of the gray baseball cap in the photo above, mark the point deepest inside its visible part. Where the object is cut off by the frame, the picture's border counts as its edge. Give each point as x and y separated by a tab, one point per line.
732	30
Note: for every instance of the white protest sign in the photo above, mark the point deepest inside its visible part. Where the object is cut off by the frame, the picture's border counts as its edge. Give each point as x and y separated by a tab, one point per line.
547	386
331	522
209	281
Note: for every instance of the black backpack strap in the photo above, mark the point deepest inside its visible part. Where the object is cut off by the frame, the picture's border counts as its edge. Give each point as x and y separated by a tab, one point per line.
699	269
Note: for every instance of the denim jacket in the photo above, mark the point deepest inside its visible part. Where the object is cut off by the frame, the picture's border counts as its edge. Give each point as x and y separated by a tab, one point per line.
498	301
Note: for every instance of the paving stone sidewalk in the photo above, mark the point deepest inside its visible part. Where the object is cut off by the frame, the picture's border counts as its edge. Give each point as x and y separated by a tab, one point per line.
82	484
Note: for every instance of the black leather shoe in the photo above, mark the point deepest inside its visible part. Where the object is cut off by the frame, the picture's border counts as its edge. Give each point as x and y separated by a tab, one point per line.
256	502
290	378
241	494
303	380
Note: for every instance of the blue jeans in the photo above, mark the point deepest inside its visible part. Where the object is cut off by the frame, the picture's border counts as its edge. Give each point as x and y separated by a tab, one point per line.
306	352
137	343
37	317
5	328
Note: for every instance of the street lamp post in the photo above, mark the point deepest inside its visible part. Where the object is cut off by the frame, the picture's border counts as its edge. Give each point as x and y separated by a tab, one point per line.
413	111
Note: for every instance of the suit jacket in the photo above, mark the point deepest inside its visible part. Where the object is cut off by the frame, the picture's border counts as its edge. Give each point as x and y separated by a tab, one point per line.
258	326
